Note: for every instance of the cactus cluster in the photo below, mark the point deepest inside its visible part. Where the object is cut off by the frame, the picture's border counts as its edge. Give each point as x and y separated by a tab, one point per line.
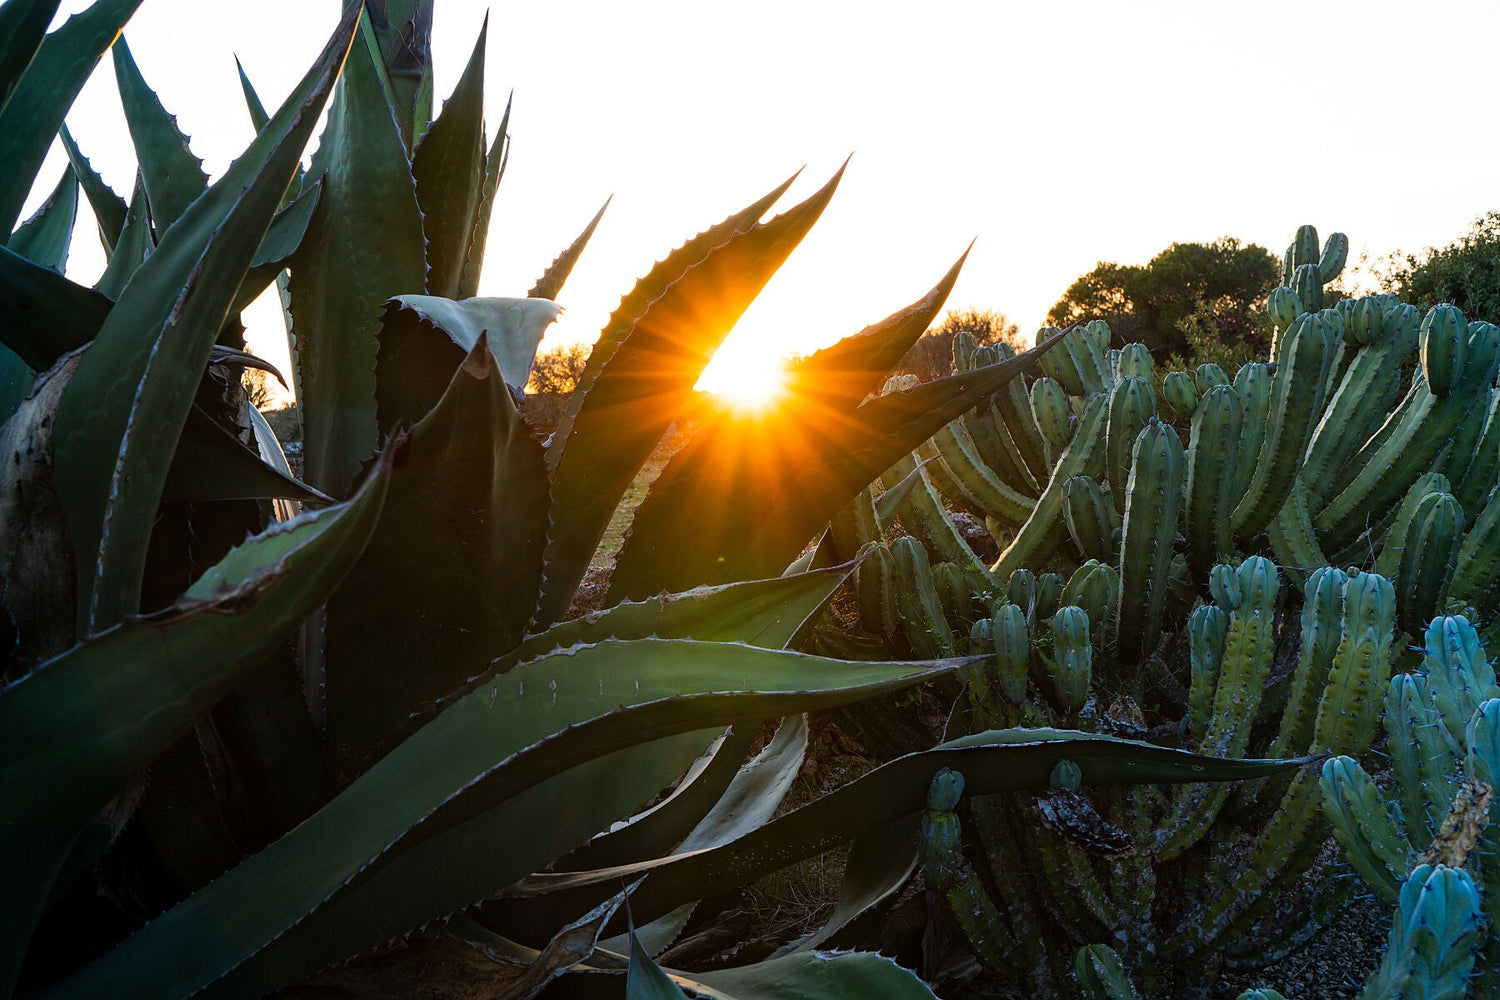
1129	567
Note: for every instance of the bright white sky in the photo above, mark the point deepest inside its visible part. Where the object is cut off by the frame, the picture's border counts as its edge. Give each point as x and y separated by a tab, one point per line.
1059	134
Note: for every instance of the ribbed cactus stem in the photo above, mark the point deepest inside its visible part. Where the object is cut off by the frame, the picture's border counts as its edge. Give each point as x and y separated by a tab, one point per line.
1433	938
982	484
1458	675
875	590
1100	975
1373	843
1152	500
1208	628
917	603
1132	403
1322	631
1289	423
1213	451
1253	383
1428	558
1091	518
1421	762
1036	539
1070	662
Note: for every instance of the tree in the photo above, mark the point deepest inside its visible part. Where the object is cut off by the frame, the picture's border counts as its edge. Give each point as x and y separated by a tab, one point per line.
932	355
1466	272
1151	302
557	371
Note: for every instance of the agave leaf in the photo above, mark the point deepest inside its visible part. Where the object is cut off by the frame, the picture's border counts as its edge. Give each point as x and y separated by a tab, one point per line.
453	569
109	208
750	800
281	241
137	241
550	284
752	490
341	275
854	976
211	464
121	415
649	289
841	376
644	980
644	383
76	729
657	830
494	169
993	761
45	237
503	737
449	167
253	104
424	338
766	613
174	177
39	101
16	380
880	863
46	315
23	25
400	31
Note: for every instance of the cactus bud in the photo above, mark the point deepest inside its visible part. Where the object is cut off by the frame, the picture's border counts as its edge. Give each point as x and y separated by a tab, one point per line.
1099	331
1021	589
1135	359
946	789
1305	246
1307	282
1283	306
1335	253
1050	410
1365	321
1209	375
1092	587
1012	650
1445	345
1180	393
1224	585
1066	775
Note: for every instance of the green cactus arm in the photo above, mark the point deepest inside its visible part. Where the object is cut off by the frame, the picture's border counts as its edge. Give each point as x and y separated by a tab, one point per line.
1091	518
1152	501
1289	423
1433	936
1253	383
1213	447
1479	475
1249	649
1417	432
875	590
1100	975
917	604
1293	539
982	484
1428	559
924	515
1361	667
1476	581
997	450
1483	764
1013	406
1322	609
1422	764
1459	675
1388	562
1132	403
1208	629
1374	846
1034	539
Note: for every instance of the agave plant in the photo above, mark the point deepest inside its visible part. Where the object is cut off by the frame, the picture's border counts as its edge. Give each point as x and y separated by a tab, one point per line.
298	735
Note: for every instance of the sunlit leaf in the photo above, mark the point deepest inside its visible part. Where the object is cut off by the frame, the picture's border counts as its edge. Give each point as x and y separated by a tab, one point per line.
173	176
644	382
550	284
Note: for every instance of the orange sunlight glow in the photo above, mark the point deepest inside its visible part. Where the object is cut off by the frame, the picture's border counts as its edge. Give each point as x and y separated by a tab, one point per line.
748	380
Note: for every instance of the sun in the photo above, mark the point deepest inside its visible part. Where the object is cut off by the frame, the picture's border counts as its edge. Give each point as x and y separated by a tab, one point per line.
745	379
